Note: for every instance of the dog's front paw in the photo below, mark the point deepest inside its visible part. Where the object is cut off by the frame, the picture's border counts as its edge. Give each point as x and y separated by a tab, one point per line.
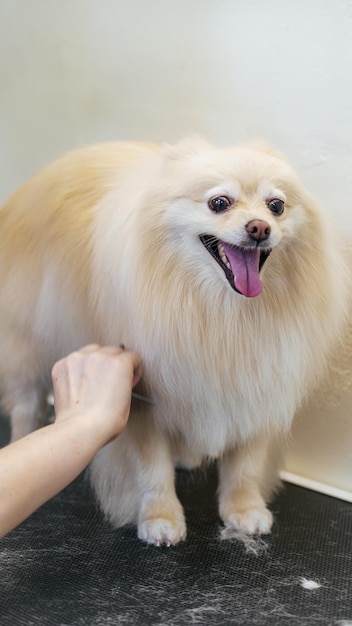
161	519
256	521
160	531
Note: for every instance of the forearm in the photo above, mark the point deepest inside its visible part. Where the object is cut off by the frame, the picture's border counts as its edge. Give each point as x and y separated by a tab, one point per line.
37	467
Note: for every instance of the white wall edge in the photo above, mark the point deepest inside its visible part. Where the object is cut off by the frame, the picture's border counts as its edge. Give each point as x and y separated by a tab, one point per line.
314	485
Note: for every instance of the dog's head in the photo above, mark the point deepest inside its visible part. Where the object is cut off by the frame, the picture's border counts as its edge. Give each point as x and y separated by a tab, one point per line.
237	205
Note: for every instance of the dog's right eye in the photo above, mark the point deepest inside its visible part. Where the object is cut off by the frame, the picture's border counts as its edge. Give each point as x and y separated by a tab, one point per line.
276	206
219	204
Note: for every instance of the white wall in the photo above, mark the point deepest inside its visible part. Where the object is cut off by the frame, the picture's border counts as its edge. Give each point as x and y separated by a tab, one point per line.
80	71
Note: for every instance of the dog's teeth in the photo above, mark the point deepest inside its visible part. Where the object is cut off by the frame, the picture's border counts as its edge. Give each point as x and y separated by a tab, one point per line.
225	261
223	256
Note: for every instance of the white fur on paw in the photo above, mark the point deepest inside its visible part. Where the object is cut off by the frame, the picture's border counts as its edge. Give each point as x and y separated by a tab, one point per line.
159	531
252	522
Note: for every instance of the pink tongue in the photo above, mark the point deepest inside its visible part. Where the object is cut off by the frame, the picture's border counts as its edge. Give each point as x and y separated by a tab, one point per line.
245	268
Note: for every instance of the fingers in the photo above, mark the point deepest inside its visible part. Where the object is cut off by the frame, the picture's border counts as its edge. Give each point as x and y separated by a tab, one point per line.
95	347
127	355
135	360
110	350
92	347
100	376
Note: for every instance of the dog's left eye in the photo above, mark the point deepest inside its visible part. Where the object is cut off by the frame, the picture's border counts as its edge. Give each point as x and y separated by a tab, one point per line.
218	204
276	206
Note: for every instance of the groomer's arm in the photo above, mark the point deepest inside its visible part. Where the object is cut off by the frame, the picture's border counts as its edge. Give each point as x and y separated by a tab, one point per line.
92	392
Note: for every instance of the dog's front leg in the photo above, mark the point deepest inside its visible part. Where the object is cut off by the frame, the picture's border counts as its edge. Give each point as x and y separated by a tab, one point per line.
134	481
161	519
242	473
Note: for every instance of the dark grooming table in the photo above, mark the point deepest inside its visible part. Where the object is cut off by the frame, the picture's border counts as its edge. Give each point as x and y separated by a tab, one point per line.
66	566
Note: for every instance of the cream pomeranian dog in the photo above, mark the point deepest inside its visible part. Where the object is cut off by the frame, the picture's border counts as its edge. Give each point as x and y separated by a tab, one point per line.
218	268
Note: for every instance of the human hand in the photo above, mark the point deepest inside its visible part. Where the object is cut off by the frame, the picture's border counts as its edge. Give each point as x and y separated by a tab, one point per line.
95	383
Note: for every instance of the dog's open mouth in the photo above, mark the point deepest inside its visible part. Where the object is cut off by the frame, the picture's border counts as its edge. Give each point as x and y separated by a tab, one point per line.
241	265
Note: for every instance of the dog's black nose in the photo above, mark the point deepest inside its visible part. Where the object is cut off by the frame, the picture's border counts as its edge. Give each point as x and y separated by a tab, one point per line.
259	230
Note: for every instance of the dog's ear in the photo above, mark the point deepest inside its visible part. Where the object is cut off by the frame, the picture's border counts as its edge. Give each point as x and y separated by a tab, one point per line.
261	145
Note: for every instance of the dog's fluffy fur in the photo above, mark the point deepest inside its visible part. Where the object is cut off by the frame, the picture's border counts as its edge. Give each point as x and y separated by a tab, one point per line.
104	246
